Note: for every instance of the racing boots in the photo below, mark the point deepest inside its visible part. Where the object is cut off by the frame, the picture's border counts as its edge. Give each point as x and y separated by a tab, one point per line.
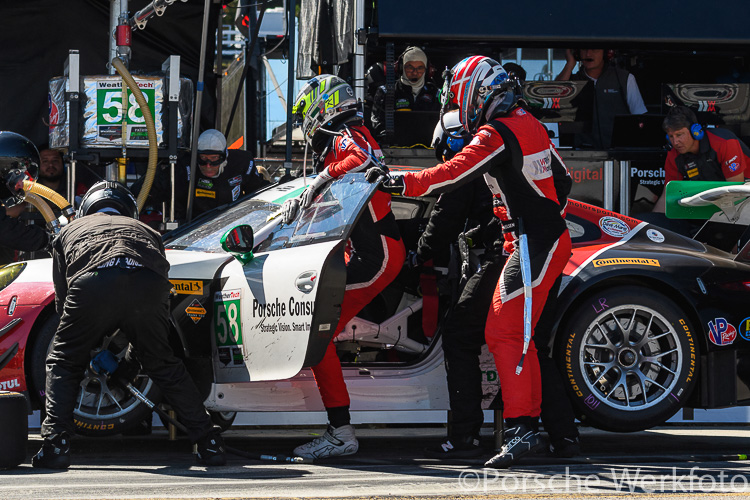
55	453
211	448
336	442
565	448
455	447
519	441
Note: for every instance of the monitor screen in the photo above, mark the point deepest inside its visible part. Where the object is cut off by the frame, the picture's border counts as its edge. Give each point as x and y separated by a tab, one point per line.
713	103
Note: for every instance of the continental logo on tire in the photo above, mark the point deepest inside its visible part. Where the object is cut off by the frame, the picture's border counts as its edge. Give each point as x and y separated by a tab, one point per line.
94	427
627	261
691	345
569	366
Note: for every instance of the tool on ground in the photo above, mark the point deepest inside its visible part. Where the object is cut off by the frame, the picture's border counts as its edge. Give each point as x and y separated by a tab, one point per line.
106	363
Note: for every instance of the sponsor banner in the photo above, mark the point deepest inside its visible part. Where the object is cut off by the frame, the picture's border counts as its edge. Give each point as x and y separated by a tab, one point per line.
721	332
631	261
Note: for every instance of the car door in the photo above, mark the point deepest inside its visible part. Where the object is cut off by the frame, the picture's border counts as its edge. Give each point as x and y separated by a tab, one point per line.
277	313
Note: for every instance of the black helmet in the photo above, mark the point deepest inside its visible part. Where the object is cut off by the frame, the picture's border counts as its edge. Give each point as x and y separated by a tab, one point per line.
19	160
449	136
108	197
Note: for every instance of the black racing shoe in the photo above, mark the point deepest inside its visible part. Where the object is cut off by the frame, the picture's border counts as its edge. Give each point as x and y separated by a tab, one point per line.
565	448
55	453
211	448
520	440
455	447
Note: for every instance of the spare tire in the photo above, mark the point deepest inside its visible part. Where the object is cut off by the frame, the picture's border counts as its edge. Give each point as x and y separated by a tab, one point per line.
14	429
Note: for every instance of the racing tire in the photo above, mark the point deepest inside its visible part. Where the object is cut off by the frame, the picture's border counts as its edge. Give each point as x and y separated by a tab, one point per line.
224	419
628	358
14	429
103	408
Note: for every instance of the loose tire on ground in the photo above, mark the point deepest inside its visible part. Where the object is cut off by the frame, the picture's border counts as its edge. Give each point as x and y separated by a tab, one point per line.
629	358
14	429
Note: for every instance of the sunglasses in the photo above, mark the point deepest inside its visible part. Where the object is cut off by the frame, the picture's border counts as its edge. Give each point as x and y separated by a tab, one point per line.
214	163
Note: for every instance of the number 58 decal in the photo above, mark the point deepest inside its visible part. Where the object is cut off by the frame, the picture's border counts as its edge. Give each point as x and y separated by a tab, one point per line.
227	320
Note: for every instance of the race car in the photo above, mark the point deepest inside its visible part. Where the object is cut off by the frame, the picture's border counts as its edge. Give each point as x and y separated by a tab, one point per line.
648	321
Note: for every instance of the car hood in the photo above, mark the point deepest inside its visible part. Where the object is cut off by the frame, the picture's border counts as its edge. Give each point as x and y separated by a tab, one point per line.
195	265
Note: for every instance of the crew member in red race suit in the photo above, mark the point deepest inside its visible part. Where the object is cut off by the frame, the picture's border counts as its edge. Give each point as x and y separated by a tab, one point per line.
512	150
331	121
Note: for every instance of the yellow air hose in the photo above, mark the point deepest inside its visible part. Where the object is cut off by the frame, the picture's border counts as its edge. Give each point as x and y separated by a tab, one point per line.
40	205
45	192
150	128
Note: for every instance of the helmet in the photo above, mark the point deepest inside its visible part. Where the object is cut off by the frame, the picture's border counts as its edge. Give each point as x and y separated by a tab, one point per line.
108	197
325	101
213	142
19	160
449	137
473	84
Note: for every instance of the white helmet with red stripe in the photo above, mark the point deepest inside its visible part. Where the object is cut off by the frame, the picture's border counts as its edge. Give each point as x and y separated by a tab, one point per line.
472	84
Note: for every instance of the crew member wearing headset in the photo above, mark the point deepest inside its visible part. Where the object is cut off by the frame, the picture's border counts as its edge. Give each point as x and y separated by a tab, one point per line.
701	155
331	121
613	91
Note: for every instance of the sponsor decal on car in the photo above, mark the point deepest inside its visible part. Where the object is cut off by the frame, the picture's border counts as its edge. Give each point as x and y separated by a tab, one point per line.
631	261
721	332
187	287
305	282
195	311
227	321
7	385
655	236
614	226
744	328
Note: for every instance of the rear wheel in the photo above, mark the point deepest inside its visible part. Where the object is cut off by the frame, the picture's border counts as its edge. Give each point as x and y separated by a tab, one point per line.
102	407
629	359
223	419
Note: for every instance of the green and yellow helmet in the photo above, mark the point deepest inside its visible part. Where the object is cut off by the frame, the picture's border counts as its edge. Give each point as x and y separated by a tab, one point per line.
326	100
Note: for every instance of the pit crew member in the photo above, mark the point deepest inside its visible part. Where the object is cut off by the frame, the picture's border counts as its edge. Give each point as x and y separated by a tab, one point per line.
331	121
513	152
110	272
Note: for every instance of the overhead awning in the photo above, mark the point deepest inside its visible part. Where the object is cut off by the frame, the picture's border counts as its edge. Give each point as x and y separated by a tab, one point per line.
681	22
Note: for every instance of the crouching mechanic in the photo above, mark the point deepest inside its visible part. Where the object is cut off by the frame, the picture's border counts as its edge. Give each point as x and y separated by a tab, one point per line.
331	121
512	150
110	272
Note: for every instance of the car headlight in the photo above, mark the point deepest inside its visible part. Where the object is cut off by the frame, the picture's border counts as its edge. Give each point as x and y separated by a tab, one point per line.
10	272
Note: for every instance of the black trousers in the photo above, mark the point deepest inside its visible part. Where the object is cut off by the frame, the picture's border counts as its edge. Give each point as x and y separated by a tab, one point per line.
463	338
99	302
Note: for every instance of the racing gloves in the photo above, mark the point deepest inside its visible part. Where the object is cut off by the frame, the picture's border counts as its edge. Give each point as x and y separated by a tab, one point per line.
390	185
289	210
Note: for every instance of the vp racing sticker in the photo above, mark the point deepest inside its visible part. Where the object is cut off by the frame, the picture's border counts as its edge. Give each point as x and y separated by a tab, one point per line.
614	226
721	332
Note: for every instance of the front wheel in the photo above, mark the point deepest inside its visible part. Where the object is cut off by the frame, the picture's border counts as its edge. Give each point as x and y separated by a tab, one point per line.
629	358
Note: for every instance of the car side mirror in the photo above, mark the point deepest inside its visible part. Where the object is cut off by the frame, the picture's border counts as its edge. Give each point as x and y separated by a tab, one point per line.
239	242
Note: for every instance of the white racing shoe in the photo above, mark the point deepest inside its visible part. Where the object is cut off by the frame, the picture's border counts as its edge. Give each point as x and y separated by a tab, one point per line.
336	442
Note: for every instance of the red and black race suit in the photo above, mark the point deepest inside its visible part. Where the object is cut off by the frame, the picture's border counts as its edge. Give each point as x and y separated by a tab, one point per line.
519	164
375	254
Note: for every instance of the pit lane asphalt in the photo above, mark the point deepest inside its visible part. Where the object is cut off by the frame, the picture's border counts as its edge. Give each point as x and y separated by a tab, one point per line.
659	463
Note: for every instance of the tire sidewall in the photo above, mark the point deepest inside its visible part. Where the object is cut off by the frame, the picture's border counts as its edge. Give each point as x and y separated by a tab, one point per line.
590	404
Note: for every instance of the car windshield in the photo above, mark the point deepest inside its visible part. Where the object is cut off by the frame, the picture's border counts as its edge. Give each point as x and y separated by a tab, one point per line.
329	217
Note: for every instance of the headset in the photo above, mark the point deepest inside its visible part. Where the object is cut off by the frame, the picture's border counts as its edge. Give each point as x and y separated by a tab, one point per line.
609	54
429	68
696	129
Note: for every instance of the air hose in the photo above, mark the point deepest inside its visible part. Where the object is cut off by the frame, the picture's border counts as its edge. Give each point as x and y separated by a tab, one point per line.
30	187
45	210
150	128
